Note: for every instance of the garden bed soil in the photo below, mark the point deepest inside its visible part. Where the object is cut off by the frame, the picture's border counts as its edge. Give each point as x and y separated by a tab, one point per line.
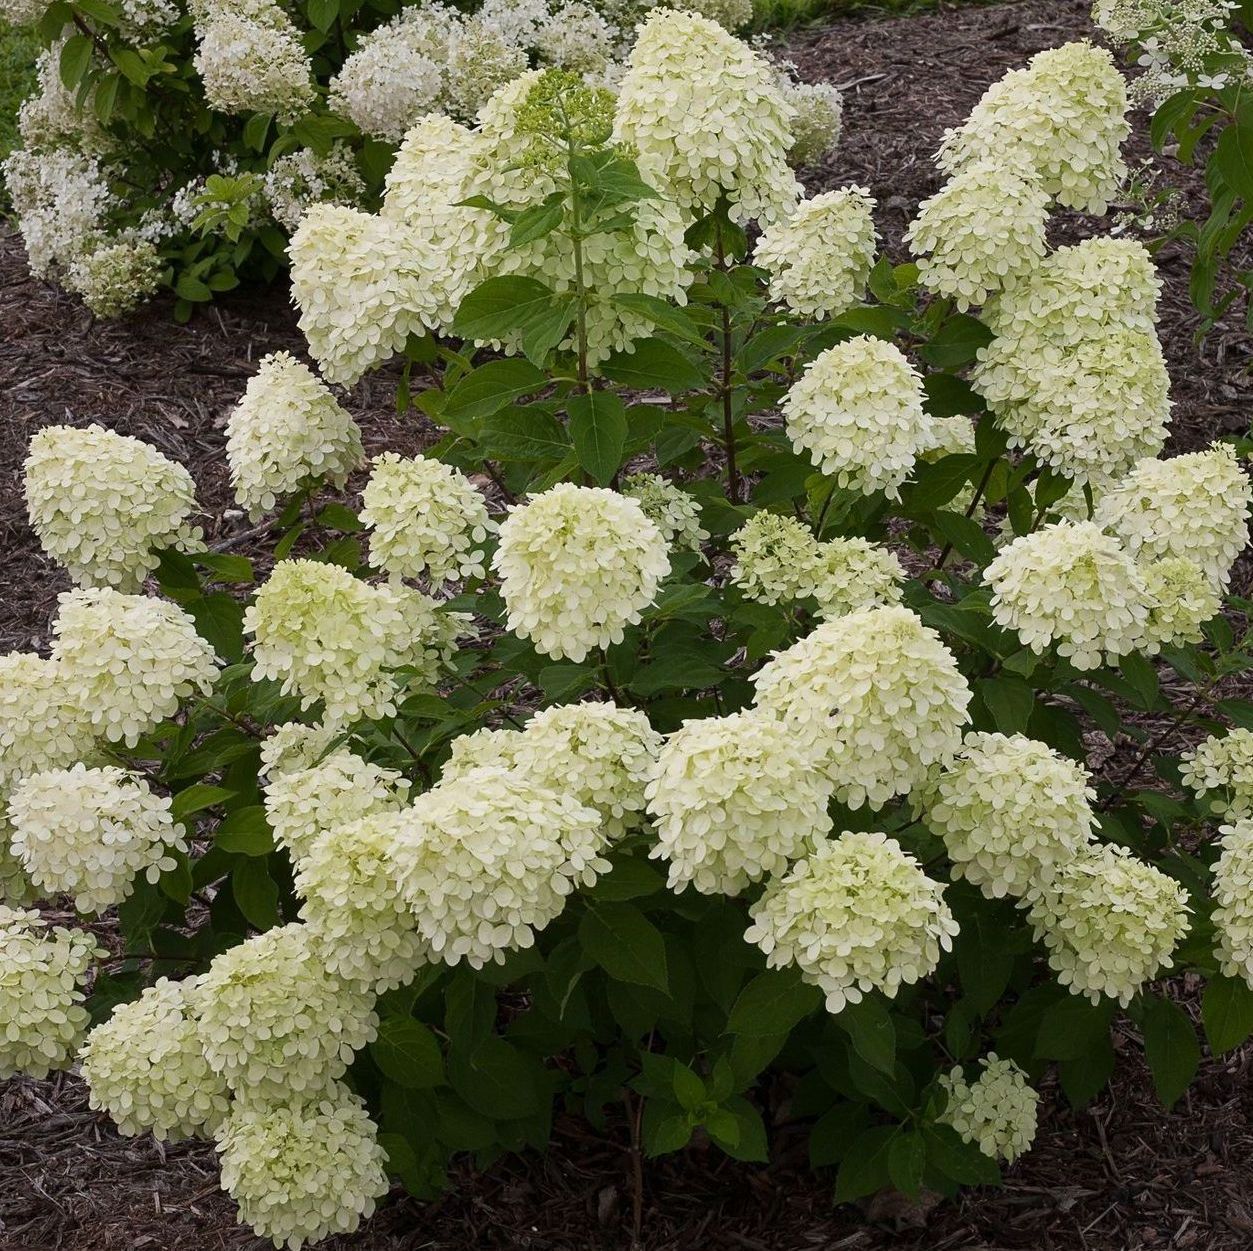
1123	1175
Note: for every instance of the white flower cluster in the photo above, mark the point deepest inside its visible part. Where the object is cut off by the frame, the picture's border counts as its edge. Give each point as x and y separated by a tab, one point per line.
1233	895
146	1068
42	726
326	635
734	799
42	968
1010	810
705	116
425	518
293	747
103	504
489	858
1075	372
669	507
1181	600
273	1020
303	1168
817	117
286	431
298	180
881	695
856	916
996	1112
857	410
1063	118
577	566
89	833
1110	922
250	59
115	277
1224	766
128	660
820	257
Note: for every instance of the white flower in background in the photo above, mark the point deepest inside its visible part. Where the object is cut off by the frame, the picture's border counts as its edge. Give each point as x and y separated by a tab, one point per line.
287	431
576	37
273	1020
128	660
818	114
857	574
577	566
1110	922
425	518
820	257
89	833
981	232
1181	600
1073	585
670	508
1064	117
357	919
1009	810
485	861
777	558
1233	893
293	747
996	1112
116	277
22	12
141	21
51	117
104	504
857	410
1193	506
298	180
705	115
303	804
729	13
303	1168
41	725
734	799
326	635
481	60
42	970
145	1067
856	916
484	746
881	695
1223	765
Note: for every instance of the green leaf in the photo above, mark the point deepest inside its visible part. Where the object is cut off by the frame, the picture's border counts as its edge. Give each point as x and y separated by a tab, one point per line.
983	963
966	536
502	307
490	387
1073	1026
957	1159
907	1157
75	58
666	1133
339	517
245	832
598	426
630	879
1085	1076
864	1169
525	434
738	1129
1009	699
956	342
219	621
496	1079
870	1030
1227	1011
1233	158
653	364
772	1003
256	893
835	1132
1171	1046
689	1090
196	798
628	946
322	13
535	223
935	484
408	1053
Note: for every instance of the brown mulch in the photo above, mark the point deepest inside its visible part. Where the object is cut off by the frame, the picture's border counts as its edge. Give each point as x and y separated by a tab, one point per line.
1121	1176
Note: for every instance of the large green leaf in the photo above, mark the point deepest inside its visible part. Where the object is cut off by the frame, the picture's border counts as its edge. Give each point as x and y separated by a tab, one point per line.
626	944
598	427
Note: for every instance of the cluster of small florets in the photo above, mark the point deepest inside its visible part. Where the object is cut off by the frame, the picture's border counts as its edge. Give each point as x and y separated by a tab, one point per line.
104	504
52	118
855	916
326	635
116	277
42	1018
734	799
1110	922
298	180
1075	372
287	431
820	258
857	410
705	116
1194	507
1222	767
881	695
1233	895
981	232
669	507
425	518
1009	810
89	833
251	60
817	116
274	1020
303	1168
145	1067
304	803
128	660
1071	584
42	726
1181	600
293	747
996	1112
1063	118
577	566
487	860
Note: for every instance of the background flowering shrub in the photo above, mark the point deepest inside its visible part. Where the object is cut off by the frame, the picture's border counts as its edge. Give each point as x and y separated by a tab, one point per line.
620	750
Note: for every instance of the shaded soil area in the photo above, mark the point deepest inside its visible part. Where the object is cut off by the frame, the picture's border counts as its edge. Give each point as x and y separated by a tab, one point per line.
1121	1176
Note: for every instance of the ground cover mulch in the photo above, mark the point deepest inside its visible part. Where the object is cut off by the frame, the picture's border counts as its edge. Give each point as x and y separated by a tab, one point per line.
1123	1175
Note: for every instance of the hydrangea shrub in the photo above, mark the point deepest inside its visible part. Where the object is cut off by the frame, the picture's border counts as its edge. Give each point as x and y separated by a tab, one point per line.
705	730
